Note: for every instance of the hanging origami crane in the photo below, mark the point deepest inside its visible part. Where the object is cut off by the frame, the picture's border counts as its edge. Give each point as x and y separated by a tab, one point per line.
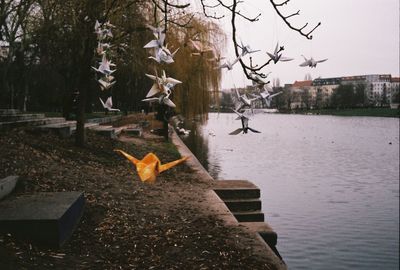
276	56
150	166
311	62
161	52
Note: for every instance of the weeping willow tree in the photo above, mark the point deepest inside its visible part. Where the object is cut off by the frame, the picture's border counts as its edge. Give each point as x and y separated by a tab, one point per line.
199	73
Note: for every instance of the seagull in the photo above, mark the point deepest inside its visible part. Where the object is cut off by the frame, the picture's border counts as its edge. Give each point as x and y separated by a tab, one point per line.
311	62
161	83
108	105
150	166
276	56
229	65
246	50
245	125
200	48
266	96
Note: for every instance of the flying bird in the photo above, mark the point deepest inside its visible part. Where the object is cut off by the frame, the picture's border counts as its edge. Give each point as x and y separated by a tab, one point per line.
150	166
245	125
108	105
311	62
276	56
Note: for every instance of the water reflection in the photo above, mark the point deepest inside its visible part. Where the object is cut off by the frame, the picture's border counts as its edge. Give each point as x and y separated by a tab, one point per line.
330	185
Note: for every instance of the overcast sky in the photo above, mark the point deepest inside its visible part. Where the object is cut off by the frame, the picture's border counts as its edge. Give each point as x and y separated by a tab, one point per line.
357	36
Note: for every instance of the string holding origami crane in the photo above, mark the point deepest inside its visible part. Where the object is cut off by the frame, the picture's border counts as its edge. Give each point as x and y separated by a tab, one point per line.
161	52
311	62
150	166
163	88
276	56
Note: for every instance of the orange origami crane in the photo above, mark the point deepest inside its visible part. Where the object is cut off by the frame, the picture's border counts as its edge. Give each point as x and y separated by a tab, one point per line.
150	166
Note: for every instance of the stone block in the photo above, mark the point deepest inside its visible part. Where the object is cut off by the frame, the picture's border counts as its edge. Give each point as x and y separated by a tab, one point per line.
7	185
45	218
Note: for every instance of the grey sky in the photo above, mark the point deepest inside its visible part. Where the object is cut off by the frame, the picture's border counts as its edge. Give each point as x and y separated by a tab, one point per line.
357	36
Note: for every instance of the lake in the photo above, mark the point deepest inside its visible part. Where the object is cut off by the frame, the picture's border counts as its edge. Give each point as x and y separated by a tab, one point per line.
329	185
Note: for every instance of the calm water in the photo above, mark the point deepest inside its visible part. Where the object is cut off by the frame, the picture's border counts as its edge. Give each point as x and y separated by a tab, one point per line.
330	185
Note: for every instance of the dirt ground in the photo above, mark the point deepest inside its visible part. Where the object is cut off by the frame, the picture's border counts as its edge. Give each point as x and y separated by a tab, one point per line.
126	224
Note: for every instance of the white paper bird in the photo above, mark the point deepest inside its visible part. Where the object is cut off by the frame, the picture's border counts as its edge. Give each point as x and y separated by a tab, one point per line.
245	125
108	105
266	96
161	84
104	67
157	31
162	99
247	50
164	55
200	48
104	84
229	65
244	101
260	81
311	62
276	56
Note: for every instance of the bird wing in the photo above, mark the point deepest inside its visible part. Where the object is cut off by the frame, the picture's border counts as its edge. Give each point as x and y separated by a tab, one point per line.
271	56
253	130
305	64
154	99
153	91
172	81
151	44
171	164
285	59
102	103
236	132
151	76
127	156
323	60
169	102
276	94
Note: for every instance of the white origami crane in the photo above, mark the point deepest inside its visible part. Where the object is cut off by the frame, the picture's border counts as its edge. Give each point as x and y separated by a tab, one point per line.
161	84
311	62
104	84
245	125
164	55
244	101
200	48
162	99
157	31
156	43
276	56
103	33
108	105
229	65
104	67
258	79
266	96
247	50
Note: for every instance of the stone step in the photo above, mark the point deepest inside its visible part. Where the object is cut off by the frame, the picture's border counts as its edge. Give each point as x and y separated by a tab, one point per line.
7	185
264	230
107	131
107	119
47	218
241	205
135	132
238	193
249	216
20	117
30	123
9	111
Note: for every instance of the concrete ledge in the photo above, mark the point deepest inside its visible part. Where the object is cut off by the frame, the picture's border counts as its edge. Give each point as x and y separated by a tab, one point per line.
46	218
7	185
